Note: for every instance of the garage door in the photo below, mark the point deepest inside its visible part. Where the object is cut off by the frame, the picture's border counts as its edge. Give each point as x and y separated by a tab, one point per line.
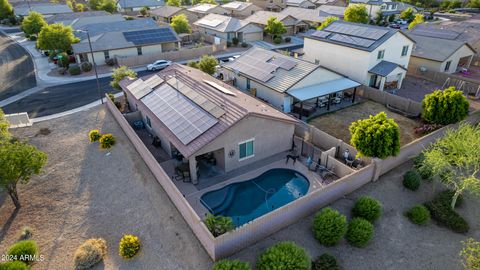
252	36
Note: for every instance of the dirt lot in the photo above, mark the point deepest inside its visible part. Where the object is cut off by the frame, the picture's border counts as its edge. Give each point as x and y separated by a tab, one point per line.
86	192
337	123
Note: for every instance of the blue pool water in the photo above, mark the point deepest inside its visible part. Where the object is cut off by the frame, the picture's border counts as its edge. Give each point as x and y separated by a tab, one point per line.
247	200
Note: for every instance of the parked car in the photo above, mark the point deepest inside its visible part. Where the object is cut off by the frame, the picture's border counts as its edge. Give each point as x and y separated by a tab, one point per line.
395	26
159	65
401	21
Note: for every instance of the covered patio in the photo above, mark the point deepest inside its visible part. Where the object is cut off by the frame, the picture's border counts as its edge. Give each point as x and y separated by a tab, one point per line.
387	75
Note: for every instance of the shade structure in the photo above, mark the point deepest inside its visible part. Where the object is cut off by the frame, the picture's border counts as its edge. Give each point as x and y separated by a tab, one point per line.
322	89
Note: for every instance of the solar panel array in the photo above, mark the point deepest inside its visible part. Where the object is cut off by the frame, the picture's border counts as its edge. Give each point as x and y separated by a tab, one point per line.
183	118
284	63
154	81
362	42
321	34
436	33
357	30
139	89
150	36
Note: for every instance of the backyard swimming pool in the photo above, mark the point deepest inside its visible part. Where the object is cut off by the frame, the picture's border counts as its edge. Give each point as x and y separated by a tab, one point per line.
247	200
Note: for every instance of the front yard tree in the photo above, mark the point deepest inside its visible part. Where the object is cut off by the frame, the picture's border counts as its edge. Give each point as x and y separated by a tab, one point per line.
174	3
33	23
6	10
470	254
327	22
19	161
408	14
445	107
275	27
207	64
419	19
180	24
377	136
95	4
356	13
56	37
454	160
119	74
109	6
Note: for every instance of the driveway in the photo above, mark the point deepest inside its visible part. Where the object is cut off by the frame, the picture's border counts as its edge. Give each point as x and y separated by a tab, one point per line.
17	72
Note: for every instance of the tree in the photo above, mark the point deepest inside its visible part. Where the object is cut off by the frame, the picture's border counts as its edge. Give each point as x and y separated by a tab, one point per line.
4	133
56	37
356	13
418	20
144	11
474	4
408	14
445	107
174	3
80	8
207	64
6	10
180	24
33	23
391	18
109	6
19	161
95	4
471	254
377	136
275	27
119	74
327	22
454	160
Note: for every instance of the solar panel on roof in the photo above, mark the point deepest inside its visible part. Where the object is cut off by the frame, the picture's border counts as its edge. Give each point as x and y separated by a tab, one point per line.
436	33
284	63
139	89
150	36
352	40
154	81
357	30
210	23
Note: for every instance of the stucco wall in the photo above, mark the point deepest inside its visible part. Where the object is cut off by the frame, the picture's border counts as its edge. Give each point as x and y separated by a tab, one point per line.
100	56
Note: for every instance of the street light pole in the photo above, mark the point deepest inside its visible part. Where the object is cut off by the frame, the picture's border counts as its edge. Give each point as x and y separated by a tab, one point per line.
94	64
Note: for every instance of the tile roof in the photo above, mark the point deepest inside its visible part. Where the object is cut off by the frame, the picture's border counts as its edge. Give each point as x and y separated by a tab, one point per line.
435	48
81	23
70	16
384	68
42	8
202	8
332	10
165	11
221	23
304	14
117	26
140	3
236	5
262	16
236	107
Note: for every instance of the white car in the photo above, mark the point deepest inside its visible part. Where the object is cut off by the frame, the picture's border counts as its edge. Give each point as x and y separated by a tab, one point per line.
158	65
401	21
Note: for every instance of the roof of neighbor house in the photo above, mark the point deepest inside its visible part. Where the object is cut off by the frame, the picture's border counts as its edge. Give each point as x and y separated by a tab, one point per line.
165	11
237	5
384	68
305	14
70	16
192	108
332	10
280	73
140	3
202	8
80	23
324	2
262	16
436	49
297	2
354	35
466	31
117	26
221	23
42	8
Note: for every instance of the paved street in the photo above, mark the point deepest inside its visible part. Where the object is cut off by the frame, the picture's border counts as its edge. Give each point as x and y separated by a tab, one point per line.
16	68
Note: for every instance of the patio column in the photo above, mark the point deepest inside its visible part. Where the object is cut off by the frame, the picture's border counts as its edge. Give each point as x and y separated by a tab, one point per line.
329	101
192	162
382	83
469	62
354	94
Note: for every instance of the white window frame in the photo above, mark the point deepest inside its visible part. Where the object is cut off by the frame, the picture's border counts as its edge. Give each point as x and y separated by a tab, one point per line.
244	142
403	50
381	52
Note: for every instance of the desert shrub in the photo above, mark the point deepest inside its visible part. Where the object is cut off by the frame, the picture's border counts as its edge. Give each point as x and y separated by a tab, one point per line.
26	233
359	232
94	135
444	215
277	40
86	66
329	226
129	18
107	141
445	107
89	253
411	180
219	225
419	214
192	64
325	262
110	61
13	265
74	70
445	197
24	247
129	246
32	38
284	255
244	45
288	39
231	265
368	208
235	41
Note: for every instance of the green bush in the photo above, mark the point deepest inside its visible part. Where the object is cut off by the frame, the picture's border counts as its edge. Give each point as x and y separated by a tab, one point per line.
22	248
107	141
359	232
74	70
94	135
277	40
411	180
445	107
26	233
424	171
32	38
231	265
325	262
284	255
219	225
129	246
419	215
111	96
445	197
235	41
86	66
329	226
444	215
368	208
13	265
89	253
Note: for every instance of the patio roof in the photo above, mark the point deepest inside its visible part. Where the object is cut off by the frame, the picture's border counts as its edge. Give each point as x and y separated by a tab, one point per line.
384	68
323	89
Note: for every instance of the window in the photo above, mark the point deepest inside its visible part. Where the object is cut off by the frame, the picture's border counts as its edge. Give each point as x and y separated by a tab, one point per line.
381	54
245	149
149	123
139	50
404	50
106	54
248	84
447	66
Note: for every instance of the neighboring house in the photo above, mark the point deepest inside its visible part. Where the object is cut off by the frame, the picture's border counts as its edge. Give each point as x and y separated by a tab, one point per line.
375	56
137	5
166	13
385	7
293	25
46	9
227	28
270	5
327	2
467	31
331	10
300	3
441	55
124	39
202	10
281	80
79	23
69	17
314	17
240	9
198	118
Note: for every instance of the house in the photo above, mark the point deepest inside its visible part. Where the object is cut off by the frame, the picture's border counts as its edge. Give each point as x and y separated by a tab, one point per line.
137	5
127	38
241	9
166	13
270	5
385	7
300	3
227	28
283	81
202	10
314	17
372	55
331	10
440	54
46	9
80	22
293	25
67	18
198	118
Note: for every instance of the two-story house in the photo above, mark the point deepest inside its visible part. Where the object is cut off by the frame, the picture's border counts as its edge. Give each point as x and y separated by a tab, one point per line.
384	7
372	55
